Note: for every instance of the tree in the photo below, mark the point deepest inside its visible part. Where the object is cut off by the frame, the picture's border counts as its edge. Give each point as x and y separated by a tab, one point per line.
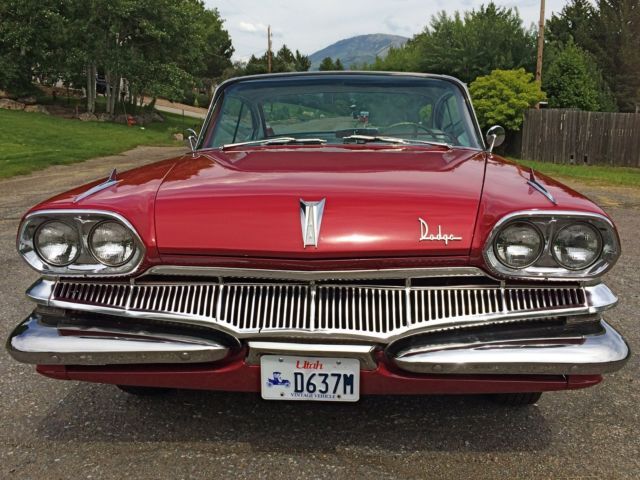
283	61
576	21
502	97
572	80
327	64
160	47
28	28
618	49
256	65
303	62
610	32
212	54
338	65
467	45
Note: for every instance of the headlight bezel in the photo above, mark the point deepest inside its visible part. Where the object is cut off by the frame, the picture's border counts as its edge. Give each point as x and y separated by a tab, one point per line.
85	263
546	267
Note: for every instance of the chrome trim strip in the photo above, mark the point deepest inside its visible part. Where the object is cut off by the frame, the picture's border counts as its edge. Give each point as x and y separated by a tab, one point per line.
37	343
40	291
364	353
600	298
109	182
536	185
303	275
596	354
353	312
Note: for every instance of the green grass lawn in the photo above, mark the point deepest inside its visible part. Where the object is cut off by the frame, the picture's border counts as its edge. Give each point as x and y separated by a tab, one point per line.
594	174
33	141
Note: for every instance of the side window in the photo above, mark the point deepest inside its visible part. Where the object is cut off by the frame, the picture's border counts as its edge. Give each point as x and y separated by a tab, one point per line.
236	123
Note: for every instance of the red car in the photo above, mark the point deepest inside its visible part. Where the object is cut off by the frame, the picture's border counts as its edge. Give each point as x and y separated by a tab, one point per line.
298	254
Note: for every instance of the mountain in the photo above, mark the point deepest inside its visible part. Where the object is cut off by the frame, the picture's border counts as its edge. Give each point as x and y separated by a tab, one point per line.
357	50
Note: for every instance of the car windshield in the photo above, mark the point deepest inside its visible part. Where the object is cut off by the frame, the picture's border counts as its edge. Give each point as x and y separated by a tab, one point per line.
341	108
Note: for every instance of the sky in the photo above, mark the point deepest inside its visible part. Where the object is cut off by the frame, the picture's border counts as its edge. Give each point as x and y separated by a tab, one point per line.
309	25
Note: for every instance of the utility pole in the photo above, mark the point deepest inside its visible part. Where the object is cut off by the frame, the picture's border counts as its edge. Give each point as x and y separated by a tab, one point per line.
269	48
540	43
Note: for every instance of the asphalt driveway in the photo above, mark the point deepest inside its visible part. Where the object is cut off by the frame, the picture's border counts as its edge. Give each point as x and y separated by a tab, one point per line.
58	430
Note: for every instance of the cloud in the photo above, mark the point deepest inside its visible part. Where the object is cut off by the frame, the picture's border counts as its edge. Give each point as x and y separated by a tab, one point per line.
252	27
399	28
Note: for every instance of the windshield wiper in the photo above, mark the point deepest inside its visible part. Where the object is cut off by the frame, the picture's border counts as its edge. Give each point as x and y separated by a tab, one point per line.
401	141
276	141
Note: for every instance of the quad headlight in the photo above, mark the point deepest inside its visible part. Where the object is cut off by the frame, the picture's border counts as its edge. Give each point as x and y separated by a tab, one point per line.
77	242
577	246
519	244
552	245
57	243
112	243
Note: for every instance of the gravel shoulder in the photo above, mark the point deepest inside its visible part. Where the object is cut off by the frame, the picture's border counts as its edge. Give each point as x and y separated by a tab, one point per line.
57	430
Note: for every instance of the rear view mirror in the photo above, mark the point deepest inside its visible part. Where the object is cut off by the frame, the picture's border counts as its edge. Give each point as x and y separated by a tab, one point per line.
193	139
495	137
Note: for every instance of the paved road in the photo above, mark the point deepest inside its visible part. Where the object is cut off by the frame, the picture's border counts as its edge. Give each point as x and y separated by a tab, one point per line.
58	430
179	108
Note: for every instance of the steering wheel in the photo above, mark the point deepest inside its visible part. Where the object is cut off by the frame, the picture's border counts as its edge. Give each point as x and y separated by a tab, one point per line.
416	127
451	126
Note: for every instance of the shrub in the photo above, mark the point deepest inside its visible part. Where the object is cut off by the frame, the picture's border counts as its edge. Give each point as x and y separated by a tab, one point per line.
501	97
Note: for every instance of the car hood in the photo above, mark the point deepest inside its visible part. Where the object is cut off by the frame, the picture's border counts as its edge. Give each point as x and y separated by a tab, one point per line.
379	201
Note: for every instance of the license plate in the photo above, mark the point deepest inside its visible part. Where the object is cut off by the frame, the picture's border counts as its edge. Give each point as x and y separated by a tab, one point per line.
321	379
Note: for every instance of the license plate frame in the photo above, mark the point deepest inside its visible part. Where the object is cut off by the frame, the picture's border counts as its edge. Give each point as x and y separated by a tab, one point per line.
320	379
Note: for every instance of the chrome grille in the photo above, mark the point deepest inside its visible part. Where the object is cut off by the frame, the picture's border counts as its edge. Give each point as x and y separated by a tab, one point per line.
265	307
352	311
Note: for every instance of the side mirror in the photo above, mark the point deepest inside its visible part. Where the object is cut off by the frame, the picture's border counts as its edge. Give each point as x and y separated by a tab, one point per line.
495	137
193	139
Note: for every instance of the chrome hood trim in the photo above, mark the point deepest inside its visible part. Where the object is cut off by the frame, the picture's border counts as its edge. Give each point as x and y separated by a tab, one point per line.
314	275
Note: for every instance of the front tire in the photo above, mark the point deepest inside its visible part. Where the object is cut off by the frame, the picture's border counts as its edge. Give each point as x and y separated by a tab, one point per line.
516	399
144	391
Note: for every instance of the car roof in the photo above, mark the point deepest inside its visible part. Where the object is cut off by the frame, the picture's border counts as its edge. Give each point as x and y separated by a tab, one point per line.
341	73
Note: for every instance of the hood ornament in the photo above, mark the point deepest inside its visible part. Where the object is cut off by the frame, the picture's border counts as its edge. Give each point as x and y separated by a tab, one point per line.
310	220
425	236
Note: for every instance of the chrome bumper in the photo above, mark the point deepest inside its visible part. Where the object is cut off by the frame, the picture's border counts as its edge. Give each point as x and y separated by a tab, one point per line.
595	354
36	342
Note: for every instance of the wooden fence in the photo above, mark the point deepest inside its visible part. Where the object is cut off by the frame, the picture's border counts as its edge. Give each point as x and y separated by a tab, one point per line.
573	136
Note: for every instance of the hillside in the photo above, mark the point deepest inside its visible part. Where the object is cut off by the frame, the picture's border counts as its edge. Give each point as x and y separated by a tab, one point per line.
357	50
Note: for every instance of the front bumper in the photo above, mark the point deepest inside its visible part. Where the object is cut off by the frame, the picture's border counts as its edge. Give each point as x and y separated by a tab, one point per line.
457	334
588	349
34	341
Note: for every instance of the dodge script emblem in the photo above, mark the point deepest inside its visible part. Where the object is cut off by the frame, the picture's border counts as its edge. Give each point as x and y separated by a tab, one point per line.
310	219
425	236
